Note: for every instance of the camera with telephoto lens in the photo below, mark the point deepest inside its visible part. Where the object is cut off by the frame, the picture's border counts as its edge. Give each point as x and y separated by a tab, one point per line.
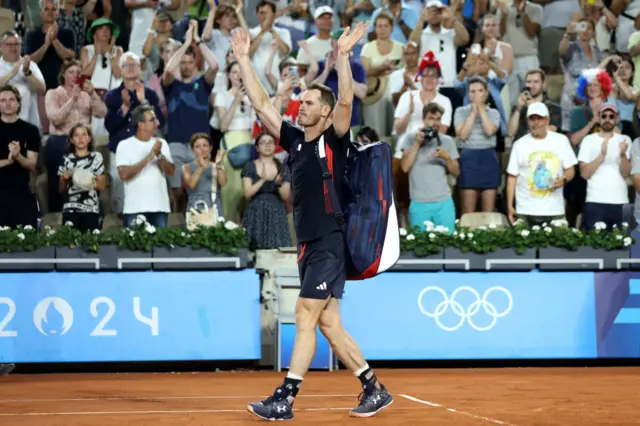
429	133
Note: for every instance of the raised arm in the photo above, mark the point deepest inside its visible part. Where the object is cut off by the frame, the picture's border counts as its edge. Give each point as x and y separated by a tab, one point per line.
344	104
240	43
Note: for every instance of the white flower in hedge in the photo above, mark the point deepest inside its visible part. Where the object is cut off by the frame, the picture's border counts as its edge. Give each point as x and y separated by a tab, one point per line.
462	236
627	241
442	229
625	225
432	236
149	228
535	228
28	228
483	228
518	222
230	225
548	230
68	223
618	237
403	232
457	221
140	220
600	226
21	236
429	225
455	233
221	219
544	225
131	233
96	231
411	237
5	228
470	235
493	226
182	234
559	223
525	233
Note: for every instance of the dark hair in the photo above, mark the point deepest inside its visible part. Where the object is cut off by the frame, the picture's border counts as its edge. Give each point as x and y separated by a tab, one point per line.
196	136
326	95
8	34
137	115
190	51
383	15
65	66
432	108
593	24
258	139
266	3
477	80
286	62
221	11
71	149
369	133
227	70
543	75
12	89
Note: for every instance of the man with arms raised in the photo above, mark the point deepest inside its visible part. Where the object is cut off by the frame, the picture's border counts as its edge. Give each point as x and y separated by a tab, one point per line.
322	252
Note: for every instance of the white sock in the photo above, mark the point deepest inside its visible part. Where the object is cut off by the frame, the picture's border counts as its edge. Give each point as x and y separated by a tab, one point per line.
359	371
293	376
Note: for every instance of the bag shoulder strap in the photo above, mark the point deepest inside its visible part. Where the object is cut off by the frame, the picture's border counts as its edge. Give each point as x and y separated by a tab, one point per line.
327	180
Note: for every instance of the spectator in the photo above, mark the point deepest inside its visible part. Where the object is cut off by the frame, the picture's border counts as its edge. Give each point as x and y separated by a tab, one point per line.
627	10
24	75
625	95
160	32
142	15
404	79
408	114
405	20
120	102
360	10
367	136
533	92
101	60
217	31
498	51
19	147
267	185
81	179
476	126
605	164
74	102
634	52
520	24
443	35
288	66
604	22
49	46
74	17
154	80
187	96
540	164
380	58
635	175
577	53
320	43
428	159
236	122
203	178
220	85
143	163
261	38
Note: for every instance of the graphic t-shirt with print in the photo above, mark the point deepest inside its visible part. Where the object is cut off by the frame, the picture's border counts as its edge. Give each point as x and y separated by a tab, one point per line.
80	200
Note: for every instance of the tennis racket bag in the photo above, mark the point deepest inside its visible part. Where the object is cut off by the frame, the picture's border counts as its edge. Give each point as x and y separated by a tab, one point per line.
368	213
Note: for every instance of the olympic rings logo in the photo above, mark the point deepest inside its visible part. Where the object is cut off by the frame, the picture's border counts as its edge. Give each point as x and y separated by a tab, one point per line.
465	315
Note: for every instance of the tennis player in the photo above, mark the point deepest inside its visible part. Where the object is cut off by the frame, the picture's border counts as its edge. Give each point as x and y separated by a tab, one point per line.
321	249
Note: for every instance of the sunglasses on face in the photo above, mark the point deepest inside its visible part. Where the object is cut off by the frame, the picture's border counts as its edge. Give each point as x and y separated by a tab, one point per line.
608	116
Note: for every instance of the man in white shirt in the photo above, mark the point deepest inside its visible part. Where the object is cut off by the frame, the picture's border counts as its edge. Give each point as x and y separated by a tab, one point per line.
540	164
444	34
319	44
24	75
261	38
605	163
143	163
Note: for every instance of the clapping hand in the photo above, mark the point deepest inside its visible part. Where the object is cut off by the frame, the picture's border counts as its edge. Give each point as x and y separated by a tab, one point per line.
14	150
349	38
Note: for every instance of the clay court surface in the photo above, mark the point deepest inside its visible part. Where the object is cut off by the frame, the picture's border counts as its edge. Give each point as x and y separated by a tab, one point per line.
525	396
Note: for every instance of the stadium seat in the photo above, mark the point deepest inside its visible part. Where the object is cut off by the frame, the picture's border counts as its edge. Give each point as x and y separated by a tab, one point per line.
52	220
111	221
478	219
7	20
176	220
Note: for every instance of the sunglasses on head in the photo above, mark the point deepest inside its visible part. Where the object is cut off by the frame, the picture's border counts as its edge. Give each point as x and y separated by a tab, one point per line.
608	116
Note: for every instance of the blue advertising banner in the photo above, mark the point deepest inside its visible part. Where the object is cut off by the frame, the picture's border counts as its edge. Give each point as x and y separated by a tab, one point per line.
487	315
129	316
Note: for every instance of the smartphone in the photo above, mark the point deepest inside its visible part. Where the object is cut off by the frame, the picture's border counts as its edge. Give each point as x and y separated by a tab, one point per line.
293	72
475	49
581	27
527	91
82	79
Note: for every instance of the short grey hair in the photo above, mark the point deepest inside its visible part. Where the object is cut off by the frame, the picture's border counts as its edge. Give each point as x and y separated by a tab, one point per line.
137	115
129	55
43	2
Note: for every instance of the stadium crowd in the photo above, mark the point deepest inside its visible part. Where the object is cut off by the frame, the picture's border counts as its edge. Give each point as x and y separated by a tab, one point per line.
528	108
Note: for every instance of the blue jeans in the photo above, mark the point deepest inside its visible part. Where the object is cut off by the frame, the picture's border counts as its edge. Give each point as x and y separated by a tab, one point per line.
157	219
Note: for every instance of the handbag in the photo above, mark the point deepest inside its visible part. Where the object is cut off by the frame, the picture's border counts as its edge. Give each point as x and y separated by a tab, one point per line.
239	155
204	216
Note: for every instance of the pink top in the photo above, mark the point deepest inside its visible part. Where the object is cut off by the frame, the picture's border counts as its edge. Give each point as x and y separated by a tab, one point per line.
155	83
63	115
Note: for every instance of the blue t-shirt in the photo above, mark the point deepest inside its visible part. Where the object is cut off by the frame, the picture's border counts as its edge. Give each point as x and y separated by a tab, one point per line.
188	107
359	76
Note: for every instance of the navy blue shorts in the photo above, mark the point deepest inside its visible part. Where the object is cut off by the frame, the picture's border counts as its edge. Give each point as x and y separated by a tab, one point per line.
322	267
479	169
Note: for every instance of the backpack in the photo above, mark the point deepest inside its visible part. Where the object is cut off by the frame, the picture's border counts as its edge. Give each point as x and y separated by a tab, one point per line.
368	217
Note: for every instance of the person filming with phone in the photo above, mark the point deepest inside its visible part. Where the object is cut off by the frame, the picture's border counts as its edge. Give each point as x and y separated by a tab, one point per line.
75	101
428	157
532	92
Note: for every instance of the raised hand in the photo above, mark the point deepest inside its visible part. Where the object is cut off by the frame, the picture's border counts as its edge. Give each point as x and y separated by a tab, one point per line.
349	38
240	43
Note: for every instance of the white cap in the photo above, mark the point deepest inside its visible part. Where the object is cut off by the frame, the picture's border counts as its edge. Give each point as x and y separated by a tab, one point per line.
321	11
539	109
435	3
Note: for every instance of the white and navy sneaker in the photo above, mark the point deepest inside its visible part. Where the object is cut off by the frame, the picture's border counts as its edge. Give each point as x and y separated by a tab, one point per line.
372	400
276	407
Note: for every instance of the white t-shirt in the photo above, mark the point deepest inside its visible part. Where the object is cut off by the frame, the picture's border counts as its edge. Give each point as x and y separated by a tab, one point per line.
262	53
219	45
443	45
537	163
606	185
147	192
396	82
415	122
29	109
320	49
241	120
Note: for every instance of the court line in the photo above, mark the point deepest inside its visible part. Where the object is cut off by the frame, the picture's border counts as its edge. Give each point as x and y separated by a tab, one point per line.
453	410
110	413
162	398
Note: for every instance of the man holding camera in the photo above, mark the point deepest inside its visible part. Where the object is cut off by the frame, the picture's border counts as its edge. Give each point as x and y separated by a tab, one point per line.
427	161
533	92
